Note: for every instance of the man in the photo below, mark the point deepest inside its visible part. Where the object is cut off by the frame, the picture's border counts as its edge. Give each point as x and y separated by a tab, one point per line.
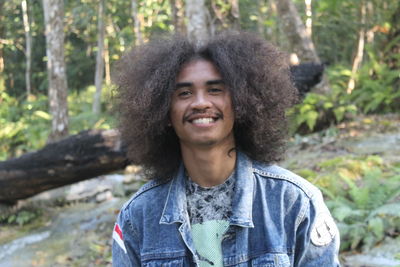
207	123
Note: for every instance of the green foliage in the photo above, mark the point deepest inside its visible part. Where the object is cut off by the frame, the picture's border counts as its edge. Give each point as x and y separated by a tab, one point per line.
22	217
377	88
363	196
27	124
327	109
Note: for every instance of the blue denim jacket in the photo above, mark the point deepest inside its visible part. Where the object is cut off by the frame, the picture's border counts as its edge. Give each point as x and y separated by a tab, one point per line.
279	219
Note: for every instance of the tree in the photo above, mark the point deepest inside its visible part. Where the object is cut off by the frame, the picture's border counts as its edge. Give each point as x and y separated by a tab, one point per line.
177	15
295	30
300	41
57	90
198	21
98	80
28	46
137	23
360	49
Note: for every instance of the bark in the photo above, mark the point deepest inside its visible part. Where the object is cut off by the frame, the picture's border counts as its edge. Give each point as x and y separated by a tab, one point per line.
76	158
360	49
177	15
28	46
53	15
300	41
137	23
98	80
235	14
107	67
2	87
309	17
295	31
198	22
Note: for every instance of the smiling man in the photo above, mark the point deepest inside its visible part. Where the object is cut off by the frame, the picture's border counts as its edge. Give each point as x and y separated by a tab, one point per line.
207	124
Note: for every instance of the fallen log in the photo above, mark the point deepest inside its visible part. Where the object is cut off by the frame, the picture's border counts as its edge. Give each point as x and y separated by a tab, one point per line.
78	157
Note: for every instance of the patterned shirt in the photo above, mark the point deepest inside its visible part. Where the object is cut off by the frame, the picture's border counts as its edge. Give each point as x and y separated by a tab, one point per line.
209	211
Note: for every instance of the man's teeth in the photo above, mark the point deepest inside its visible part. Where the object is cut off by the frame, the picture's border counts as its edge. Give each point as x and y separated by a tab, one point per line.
203	120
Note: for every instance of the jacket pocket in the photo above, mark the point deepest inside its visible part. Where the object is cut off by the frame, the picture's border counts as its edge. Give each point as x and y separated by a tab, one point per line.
271	260
164	263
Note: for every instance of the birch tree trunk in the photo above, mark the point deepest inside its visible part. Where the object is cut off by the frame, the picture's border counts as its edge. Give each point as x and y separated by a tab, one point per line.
2	87
360	50
198	21
136	23
53	16
28	47
300	41
98	80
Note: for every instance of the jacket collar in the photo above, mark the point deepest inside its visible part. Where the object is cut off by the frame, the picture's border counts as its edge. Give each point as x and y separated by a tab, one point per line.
175	208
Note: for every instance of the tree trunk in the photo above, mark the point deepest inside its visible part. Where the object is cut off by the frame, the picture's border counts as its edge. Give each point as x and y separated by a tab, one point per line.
107	67
2	78
295	31
360	49
76	158
98	80
198	22
309	17
177	15
137	23
235	14
28	47
53	15
300	41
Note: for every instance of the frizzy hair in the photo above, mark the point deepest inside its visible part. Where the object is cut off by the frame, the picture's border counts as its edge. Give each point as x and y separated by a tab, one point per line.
254	71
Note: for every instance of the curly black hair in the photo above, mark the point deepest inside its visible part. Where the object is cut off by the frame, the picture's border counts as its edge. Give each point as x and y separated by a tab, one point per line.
255	72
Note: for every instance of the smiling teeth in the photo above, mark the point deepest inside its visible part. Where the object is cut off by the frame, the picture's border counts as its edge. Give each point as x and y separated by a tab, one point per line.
203	120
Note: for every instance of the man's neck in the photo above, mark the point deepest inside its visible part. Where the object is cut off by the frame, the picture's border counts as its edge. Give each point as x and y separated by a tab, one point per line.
208	167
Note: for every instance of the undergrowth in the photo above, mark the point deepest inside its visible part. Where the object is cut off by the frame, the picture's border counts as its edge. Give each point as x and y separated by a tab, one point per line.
363	195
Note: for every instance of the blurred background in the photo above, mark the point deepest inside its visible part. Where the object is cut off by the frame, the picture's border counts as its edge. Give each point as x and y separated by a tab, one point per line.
58	141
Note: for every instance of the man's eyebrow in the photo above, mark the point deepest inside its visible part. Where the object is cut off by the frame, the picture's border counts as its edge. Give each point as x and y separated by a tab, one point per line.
184	84
215	82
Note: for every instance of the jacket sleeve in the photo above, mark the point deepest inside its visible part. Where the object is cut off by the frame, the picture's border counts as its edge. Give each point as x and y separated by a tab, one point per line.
125	247
317	237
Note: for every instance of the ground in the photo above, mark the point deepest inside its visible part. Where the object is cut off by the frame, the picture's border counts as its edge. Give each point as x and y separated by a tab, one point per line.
72	226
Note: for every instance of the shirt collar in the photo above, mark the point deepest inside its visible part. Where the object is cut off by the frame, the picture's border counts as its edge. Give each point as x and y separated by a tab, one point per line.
175	208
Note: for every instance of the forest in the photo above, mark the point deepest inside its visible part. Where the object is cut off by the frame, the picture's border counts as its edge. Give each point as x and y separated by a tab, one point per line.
56	69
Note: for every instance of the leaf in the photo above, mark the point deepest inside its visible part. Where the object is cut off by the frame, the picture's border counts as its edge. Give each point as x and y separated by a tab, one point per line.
342	212
376	226
42	114
391	209
311	119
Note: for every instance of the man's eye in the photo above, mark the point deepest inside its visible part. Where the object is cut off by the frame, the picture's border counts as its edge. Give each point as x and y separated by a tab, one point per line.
215	90
184	93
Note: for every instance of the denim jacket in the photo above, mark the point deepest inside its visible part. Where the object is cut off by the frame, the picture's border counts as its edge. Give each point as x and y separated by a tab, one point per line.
278	219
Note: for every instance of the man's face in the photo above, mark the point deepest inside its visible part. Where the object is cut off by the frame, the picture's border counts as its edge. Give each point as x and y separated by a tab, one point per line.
201	106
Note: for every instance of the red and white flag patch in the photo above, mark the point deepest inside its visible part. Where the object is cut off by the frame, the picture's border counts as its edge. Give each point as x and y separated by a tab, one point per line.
118	237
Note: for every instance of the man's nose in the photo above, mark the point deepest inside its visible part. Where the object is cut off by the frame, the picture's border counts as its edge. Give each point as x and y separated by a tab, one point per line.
201	101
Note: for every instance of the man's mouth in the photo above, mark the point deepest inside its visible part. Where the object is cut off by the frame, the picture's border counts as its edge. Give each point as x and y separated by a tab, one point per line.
203	120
